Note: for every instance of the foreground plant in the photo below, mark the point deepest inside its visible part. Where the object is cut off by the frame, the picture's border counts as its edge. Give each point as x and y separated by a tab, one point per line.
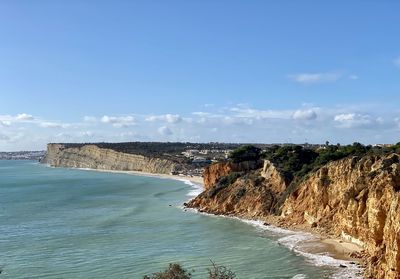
176	271
220	272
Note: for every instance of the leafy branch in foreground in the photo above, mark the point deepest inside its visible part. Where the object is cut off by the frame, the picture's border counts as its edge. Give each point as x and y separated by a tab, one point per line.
176	271
220	272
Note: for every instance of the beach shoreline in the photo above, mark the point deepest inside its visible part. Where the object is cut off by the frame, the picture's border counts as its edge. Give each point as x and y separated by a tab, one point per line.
198	180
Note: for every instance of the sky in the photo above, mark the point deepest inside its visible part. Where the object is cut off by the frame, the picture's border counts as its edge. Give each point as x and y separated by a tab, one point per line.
199	71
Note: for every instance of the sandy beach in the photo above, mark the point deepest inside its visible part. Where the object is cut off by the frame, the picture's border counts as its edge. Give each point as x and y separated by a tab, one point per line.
198	180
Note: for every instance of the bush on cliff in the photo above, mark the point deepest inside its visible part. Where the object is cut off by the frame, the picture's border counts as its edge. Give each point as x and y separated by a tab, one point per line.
245	153
291	159
224	182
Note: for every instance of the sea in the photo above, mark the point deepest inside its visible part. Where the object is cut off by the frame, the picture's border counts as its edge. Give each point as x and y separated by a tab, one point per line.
69	223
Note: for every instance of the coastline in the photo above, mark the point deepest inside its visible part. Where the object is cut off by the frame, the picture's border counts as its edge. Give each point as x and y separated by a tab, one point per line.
193	179
323	251
321	248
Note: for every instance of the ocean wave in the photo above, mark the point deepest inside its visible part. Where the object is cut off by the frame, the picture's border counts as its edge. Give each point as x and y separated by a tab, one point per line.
196	188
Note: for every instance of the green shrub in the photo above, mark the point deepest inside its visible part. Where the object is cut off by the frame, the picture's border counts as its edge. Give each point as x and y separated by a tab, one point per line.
245	153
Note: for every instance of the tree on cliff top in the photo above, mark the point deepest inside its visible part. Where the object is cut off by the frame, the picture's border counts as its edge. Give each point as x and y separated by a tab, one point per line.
245	153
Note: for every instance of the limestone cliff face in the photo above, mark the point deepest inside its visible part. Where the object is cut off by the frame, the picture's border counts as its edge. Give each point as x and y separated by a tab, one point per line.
215	171
356	199
251	195
359	201
93	157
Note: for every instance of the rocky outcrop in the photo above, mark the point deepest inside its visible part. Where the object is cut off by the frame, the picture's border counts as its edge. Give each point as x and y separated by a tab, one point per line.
215	171
357	199
277	181
250	194
93	157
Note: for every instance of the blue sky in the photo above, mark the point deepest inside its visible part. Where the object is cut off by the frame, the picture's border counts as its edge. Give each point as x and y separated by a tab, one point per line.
238	71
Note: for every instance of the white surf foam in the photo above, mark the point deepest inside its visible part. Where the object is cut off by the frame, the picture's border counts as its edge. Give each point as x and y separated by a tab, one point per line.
196	188
293	240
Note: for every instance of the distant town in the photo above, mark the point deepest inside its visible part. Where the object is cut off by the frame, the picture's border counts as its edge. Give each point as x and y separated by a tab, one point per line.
22	155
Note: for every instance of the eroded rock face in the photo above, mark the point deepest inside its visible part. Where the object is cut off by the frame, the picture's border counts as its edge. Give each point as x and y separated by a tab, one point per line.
93	157
248	194
215	171
356	199
276	179
359	201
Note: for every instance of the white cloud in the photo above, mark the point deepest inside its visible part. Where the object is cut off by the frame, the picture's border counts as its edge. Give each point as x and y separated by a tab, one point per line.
51	125
24	117
356	120
119	121
260	114
396	61
5	123
353	77
7	120
165	131
170	118
89	119
308	114
312	78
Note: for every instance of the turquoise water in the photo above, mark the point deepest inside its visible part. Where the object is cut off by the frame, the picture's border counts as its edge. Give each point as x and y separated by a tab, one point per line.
63	223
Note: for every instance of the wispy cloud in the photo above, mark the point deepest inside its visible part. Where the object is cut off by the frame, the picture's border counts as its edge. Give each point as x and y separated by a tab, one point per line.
356	120
313	78
306	114
5	123
119	121
396	61
165	131
170	118
236	123
24	117
52	125
4	137
89	119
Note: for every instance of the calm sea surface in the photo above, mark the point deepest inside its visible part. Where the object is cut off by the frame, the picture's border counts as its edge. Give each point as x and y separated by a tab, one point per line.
63	223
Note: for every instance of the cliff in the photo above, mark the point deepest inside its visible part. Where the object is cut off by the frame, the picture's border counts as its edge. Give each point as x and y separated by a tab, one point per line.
215	171
242	192
357	199
93	157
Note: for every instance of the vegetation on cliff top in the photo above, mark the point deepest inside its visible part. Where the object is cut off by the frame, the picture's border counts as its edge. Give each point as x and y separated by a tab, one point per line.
296	162
245	153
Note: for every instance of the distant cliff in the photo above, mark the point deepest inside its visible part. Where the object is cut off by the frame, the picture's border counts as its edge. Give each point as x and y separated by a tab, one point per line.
94	157
357	199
